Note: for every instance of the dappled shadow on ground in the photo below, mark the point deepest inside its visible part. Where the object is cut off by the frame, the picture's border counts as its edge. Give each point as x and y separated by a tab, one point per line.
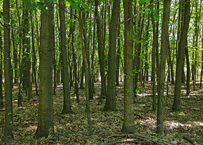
73	128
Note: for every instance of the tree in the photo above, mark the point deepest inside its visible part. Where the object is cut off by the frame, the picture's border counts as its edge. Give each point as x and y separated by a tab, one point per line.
100	49
7	73
72	27
164	47
180	59
86	65
1	60
128	123
153	59
34	54
66	87
111	87
45	111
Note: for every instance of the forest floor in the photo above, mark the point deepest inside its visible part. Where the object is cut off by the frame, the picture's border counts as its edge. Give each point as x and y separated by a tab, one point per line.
179	128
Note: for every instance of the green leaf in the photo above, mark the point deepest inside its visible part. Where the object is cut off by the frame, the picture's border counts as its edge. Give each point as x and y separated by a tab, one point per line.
141	2
73	4
40	5
85	6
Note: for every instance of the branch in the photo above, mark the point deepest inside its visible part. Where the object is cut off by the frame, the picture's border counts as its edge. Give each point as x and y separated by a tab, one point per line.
140	12
4	25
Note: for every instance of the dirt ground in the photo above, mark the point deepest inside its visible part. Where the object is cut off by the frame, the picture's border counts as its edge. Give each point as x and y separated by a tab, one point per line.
179	127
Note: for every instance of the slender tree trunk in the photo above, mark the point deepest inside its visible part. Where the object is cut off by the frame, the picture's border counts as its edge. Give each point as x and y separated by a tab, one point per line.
111	88
1	74
157	48
202	61
14	57
146	64
128	123
84	54
188	69
181	52
118	56
153	60
20	98
138	53
196	45
92	58
27	73
66	87
34	55
8	128
82	75
74	59
100	49
164	47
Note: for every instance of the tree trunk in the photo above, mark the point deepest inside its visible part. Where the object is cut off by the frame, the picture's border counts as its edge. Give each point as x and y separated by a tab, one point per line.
82	75
100	49
74	58
118	56
34	60
153	60
8	135
92	58
45	111
14	57
1	74
188	70
66	87
181	52
202	62
138	53
157	48
128	123
111	88
84	54
164	47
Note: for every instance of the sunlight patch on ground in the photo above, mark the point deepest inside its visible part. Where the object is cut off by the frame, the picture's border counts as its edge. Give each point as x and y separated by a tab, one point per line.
30	128
170	124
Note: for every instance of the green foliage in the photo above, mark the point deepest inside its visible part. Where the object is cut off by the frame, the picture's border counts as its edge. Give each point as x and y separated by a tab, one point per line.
128	90
76	3
156	16
134	110
141	2
127	76
73	4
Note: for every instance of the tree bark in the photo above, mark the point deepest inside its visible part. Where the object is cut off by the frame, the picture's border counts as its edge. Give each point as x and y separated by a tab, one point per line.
101	50
188	70
74	58
34	60
128	123
45	111
87	70
1	74
66	87
111	87
118	56
153	60
164	47
7	67
181	52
